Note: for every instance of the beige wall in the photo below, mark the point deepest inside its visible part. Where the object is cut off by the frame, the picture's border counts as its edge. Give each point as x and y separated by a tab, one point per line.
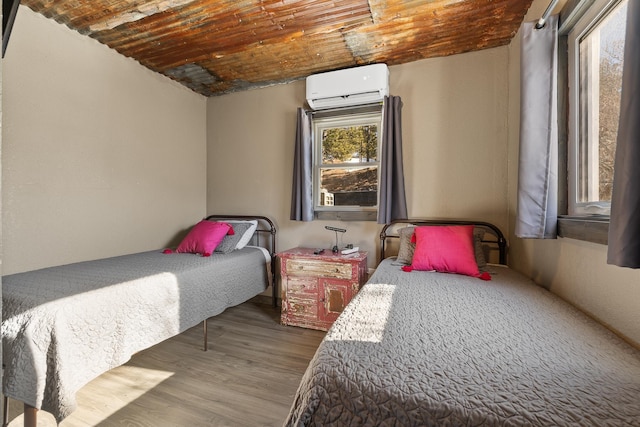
101	156
460	126
455	148
573	269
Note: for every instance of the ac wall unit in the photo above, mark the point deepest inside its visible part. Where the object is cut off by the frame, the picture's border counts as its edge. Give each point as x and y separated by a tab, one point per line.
348	87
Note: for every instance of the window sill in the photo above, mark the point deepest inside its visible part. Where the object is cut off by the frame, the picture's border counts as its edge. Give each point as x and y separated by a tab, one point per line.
347	215
593	229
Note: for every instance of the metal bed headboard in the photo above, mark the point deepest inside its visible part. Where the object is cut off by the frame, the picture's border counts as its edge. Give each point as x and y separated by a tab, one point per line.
265	228
495	240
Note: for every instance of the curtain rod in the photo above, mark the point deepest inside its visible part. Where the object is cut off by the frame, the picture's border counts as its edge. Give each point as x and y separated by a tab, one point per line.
546	14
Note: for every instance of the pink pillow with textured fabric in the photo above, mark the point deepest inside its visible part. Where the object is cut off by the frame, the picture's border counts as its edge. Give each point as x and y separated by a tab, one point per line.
447	249
204	237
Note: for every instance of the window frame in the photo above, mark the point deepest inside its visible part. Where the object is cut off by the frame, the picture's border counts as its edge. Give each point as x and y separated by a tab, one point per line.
589	19
344	118
580	226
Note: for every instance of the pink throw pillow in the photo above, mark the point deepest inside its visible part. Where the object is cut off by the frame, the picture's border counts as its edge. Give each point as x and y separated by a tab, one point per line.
204	237
447	249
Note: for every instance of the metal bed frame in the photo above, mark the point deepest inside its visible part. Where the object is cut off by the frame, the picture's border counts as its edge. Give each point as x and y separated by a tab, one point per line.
495	241
265	226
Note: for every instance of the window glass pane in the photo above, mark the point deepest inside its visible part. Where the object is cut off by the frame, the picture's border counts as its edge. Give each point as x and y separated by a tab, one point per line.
346	162
349	186
355	144
601	54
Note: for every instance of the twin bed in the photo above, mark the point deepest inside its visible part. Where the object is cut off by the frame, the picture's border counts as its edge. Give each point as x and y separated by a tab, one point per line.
420	348
413	348
64	326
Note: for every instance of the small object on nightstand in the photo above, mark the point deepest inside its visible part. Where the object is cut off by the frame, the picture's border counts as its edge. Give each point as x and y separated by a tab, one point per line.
351	250
335	249
318	251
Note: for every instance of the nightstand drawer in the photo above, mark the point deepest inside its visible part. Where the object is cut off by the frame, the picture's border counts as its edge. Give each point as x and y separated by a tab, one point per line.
302	308
302	287
309	268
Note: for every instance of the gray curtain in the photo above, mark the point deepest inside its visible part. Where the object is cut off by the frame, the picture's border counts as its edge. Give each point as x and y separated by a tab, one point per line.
624	223
393	203
538	166
301	192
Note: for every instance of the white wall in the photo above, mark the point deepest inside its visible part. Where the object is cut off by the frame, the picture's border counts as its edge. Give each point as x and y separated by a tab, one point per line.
575	270
455	148
101	156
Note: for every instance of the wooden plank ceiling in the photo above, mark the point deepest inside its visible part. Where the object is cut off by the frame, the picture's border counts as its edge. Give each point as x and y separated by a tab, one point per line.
222	46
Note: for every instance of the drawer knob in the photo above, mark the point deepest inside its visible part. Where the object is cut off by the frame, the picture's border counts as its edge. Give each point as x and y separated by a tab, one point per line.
300	267
337	270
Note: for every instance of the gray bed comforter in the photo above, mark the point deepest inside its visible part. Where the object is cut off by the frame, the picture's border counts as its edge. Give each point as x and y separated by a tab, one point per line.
64	326
434	349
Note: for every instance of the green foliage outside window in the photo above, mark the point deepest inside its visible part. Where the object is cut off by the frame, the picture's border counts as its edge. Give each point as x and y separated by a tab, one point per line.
339	145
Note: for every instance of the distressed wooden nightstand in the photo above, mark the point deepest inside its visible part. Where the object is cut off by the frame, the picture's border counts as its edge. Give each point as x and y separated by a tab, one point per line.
317	287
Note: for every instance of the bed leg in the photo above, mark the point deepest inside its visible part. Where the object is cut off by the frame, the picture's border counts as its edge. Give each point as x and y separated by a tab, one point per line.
204	330
5	411
274	294
30	416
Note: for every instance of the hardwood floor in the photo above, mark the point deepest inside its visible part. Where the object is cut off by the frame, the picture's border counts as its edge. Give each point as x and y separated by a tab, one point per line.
247	378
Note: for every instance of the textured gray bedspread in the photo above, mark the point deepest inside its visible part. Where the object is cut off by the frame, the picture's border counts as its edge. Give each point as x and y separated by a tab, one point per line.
66	325
433	349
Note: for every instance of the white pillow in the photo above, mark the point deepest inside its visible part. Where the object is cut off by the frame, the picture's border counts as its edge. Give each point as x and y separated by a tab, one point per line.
246	237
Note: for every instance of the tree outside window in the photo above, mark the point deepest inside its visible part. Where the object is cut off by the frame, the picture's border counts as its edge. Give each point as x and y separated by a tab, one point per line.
346	167
596	55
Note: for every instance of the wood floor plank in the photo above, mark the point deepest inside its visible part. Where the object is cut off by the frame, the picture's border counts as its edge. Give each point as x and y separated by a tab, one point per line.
248	377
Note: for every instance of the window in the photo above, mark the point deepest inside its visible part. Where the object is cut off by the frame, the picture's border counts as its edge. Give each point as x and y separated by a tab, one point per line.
596	48
346	165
